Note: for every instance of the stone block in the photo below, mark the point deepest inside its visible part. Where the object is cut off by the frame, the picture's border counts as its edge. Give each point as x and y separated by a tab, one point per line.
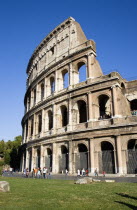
4	186
96	180
81	181
109	180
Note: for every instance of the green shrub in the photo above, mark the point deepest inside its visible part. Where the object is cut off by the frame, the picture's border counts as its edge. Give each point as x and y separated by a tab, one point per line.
1	162
1	170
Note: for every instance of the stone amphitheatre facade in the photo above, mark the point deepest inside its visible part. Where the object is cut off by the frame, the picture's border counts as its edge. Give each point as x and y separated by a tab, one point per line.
72	121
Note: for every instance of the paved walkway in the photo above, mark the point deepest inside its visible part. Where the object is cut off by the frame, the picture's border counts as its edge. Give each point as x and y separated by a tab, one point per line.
71	177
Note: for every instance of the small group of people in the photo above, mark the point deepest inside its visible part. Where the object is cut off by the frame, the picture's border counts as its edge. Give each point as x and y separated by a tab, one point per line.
134	112
38	173
82	172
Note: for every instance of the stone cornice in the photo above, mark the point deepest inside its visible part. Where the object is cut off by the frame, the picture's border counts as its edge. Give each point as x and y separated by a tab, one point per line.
78	132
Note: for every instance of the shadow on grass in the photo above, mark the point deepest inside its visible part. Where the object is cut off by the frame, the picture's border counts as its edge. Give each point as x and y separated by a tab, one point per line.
128	205
127	196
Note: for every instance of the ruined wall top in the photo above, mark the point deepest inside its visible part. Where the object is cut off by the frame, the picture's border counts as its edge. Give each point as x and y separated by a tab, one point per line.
64	38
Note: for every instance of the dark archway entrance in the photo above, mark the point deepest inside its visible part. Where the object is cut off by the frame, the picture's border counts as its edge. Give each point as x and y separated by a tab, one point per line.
38	158
63	159
132	156
48	159
107	162
133	106
82	111
104	107
82	157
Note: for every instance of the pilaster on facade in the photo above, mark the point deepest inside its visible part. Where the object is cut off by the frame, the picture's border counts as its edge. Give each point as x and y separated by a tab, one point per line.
32	159
55	158
41	156
115	101
70	157
90	107
119	155
92	165
27	158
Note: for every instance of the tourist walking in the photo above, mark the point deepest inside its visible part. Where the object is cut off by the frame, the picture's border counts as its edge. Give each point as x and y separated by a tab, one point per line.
96	172
83	172
27	173
44	173
78	172
38	173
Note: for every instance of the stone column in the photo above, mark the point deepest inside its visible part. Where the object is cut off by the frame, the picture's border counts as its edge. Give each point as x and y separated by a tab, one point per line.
90	61
119	155
54	118
90	108
22	163
70	157
27	158
70	114
41	156
24	136
29	128
115	104
42	130
54	158
37	94
32	159
56	81
92	155
70	75
45	88
34	126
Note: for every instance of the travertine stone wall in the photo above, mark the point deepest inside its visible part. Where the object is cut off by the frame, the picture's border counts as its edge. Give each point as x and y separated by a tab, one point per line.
77	126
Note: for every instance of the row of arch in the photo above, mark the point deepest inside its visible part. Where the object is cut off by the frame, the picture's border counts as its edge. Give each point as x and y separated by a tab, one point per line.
80	108
106	158
51	86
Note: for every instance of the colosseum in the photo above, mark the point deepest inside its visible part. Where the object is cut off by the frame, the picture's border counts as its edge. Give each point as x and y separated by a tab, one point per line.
75	116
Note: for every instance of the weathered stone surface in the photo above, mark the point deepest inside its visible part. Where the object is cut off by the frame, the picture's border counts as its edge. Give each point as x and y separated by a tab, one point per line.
109	180
56	106
85	180
81	181
89	180
4	186
96	180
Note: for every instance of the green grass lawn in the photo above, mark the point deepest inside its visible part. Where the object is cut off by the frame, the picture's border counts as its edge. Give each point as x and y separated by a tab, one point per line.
63	194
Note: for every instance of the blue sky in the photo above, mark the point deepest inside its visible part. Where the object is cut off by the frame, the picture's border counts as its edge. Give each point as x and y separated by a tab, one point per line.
112	24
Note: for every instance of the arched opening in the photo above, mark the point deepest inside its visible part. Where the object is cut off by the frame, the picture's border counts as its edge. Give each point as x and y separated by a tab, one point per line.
37	158
39	123
48	159
132	156
26	129
104	107
133	106
64	115
65	79
82	111
82	157
29	101
30	160
50	118
52	85
82	72
63	159
107	162
31	128
42	91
